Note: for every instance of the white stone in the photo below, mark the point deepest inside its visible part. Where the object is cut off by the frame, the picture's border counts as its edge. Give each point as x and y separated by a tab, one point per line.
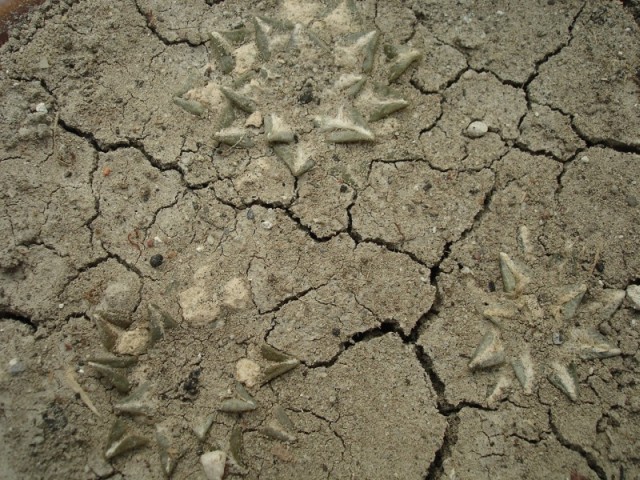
199	306
245	56
213	464
247	372
16	366
254	120
236	294
133	342
633	294
41	108
477	129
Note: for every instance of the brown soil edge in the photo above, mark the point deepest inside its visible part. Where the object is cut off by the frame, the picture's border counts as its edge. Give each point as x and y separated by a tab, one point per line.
12	12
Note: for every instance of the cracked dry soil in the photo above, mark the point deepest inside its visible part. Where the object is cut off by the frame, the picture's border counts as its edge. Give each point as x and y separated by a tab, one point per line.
445	299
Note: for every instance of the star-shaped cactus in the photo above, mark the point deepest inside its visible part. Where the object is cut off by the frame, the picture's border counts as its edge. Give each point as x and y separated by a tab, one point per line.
517	315
252	75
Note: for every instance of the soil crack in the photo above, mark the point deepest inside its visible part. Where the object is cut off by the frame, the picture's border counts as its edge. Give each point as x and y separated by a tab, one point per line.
18	317
589	457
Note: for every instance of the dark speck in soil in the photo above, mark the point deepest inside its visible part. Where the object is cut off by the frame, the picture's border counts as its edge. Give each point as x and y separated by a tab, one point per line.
156	260
306	97
54	418
192	385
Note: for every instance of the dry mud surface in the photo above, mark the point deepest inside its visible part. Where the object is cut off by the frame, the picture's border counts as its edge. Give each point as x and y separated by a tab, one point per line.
340	240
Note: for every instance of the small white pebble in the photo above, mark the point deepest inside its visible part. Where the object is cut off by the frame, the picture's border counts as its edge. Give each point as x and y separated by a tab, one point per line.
61	306
247	372
585	159
267	225
41	108
556	338
254	120
16	366
477	129
633	294
213	464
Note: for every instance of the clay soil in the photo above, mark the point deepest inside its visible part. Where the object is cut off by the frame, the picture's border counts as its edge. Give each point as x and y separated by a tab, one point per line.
453	293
